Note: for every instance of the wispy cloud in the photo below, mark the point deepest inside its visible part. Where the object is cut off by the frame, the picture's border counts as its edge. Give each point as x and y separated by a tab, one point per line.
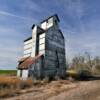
13	15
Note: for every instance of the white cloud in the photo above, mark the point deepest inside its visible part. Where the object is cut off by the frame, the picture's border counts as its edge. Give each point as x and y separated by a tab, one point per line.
81	42
9	55
13	15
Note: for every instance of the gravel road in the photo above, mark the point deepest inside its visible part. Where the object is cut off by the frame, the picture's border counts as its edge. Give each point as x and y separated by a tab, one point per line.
63	90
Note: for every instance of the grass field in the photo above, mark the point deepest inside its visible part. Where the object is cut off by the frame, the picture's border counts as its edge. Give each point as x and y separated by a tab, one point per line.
8	72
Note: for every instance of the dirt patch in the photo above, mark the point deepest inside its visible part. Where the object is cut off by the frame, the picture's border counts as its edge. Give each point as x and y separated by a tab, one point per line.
89	90
48	90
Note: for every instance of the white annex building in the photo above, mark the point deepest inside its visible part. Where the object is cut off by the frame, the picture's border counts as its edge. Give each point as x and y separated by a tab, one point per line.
44	51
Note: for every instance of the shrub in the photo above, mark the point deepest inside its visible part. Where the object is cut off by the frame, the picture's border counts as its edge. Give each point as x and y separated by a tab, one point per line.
84	74
71	73
80	75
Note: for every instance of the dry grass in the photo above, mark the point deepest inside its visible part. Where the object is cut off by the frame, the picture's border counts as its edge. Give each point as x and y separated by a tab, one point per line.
56	87
10	86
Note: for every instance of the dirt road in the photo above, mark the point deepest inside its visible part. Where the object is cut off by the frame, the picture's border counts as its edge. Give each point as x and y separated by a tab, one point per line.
63	90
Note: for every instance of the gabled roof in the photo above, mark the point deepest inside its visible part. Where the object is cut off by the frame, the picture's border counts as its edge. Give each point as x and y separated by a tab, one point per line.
28	62
51	17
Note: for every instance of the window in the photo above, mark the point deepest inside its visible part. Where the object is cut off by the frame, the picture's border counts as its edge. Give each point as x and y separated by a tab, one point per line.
42	35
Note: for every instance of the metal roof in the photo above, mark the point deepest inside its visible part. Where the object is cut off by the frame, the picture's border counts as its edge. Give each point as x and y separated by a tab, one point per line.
51	17
28	62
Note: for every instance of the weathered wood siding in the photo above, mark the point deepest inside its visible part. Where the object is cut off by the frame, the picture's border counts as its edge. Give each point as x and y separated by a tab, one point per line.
36	70
55	51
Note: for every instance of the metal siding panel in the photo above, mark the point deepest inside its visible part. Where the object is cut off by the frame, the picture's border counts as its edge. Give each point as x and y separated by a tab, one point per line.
27	42
41	41
27	51
42	52
27	55
42	35
28	46
49	25
42	47
55	44
44	25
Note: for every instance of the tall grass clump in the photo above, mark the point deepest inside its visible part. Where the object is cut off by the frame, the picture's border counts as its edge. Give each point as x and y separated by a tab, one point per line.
9	86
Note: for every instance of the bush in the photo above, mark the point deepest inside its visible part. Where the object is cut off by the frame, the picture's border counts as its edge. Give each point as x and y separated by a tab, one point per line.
84	74
86	65
71	73
80	75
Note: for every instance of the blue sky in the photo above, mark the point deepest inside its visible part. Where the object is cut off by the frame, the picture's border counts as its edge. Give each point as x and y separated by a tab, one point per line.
80	23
